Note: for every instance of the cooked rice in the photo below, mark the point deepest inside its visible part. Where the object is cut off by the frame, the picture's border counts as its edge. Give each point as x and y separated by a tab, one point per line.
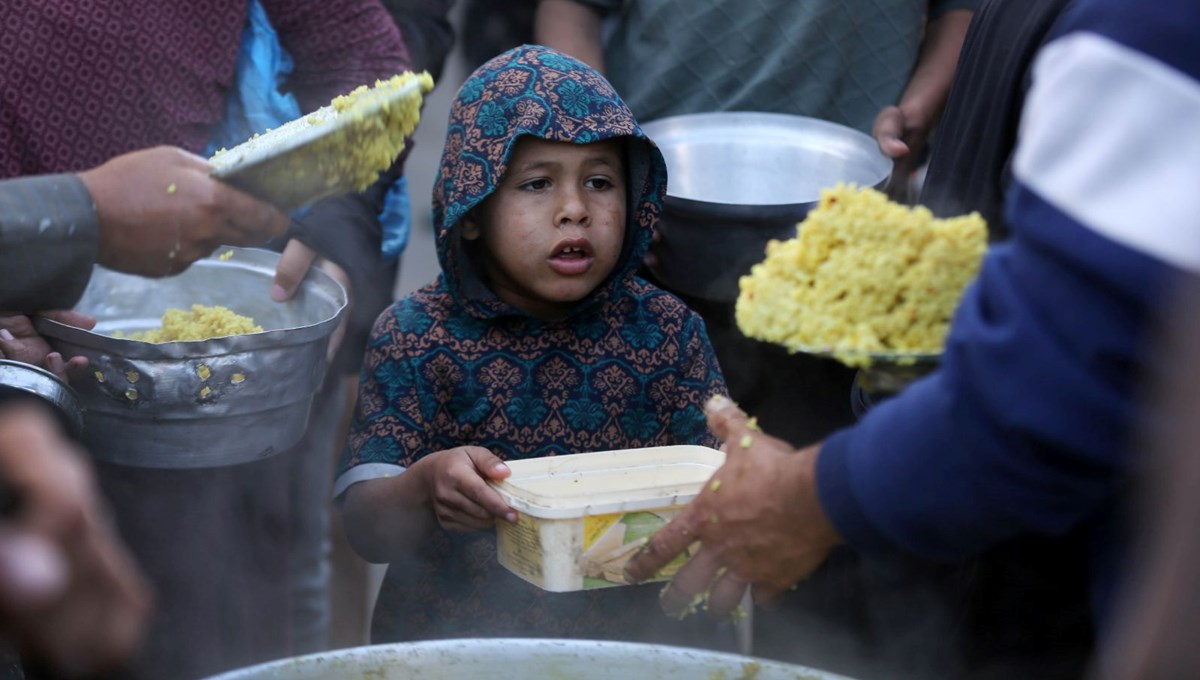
201	323
863	275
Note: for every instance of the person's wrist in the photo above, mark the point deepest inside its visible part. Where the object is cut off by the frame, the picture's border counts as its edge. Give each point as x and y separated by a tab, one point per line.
419	483
823	531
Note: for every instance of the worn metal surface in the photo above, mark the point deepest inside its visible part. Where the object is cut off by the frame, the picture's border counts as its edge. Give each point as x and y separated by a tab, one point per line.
199	404
20	379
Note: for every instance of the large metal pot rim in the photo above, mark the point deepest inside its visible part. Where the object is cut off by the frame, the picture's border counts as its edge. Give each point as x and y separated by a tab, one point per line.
137	349
563	658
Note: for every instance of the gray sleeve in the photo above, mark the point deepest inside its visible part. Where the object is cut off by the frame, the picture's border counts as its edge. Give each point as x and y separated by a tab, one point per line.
49	239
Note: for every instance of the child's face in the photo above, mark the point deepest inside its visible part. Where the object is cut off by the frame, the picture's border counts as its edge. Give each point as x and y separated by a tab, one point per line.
553	229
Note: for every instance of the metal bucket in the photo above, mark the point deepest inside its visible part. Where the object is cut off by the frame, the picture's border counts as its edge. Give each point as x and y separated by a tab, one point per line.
521	659
208	403
736	180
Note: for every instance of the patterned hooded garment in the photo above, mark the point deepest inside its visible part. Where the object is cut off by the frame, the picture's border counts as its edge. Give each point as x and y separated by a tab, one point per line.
453	364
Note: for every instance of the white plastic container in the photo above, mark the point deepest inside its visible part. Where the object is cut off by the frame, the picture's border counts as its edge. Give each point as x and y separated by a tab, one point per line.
584	515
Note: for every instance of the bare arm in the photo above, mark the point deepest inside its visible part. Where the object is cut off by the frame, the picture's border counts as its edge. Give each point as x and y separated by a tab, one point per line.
571	27
925	95
392	517
901	130
388	517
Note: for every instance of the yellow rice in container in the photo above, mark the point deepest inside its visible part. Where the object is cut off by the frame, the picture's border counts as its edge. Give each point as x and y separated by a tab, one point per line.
201	323
863	275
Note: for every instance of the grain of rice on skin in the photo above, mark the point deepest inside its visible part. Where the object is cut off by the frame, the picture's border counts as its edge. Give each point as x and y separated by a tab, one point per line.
864	274
201	323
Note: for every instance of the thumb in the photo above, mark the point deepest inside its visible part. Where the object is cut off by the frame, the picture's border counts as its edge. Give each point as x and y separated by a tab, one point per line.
70	317
889	132
487	463
292	268
725	419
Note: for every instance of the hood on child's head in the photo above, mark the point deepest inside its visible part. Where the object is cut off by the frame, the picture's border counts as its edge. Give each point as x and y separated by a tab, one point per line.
539	92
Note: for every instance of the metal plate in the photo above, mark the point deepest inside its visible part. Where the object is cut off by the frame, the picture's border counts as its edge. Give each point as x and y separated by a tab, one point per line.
521	659
294	164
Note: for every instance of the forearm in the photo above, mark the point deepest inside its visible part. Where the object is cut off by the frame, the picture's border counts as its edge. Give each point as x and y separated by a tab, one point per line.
571	27
925	95
49	239
390	517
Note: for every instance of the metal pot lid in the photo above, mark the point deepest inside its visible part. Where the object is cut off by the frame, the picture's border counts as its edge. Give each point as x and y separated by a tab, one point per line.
762	159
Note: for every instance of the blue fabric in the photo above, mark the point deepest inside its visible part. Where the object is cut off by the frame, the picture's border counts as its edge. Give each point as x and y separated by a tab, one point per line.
1029	425
256	104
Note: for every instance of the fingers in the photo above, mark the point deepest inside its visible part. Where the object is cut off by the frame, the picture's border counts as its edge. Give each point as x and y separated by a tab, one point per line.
32	571
726	593
459	513
55	364
70	317
293	266
663	546
463	498
487	463
488	466
339	333
726	420
10	346
254	221
889	132
689	588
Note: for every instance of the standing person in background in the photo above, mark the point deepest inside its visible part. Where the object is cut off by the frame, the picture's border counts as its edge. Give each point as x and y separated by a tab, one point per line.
536	340
880	65
144	73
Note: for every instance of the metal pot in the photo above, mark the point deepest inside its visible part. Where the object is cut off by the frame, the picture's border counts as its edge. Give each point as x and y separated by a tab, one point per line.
19	380
519	659
200	404
736	180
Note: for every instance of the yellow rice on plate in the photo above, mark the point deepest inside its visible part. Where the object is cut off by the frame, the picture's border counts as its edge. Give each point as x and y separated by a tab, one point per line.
863	275
201	323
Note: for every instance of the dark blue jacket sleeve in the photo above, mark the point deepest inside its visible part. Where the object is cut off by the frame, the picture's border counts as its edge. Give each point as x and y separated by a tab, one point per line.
1028	425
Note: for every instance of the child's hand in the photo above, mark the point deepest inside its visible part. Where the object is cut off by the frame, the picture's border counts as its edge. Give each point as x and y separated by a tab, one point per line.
459	494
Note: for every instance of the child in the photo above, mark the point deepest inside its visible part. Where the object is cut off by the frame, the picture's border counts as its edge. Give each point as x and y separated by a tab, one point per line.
536	340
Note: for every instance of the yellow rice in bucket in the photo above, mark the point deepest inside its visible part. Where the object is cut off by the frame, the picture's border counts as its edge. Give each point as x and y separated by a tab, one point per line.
201	323
863	275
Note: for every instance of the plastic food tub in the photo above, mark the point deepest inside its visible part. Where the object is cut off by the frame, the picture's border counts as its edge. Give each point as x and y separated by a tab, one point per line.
582	516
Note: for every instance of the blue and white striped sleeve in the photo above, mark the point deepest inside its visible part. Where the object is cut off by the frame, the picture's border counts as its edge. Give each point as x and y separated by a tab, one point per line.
1027	426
